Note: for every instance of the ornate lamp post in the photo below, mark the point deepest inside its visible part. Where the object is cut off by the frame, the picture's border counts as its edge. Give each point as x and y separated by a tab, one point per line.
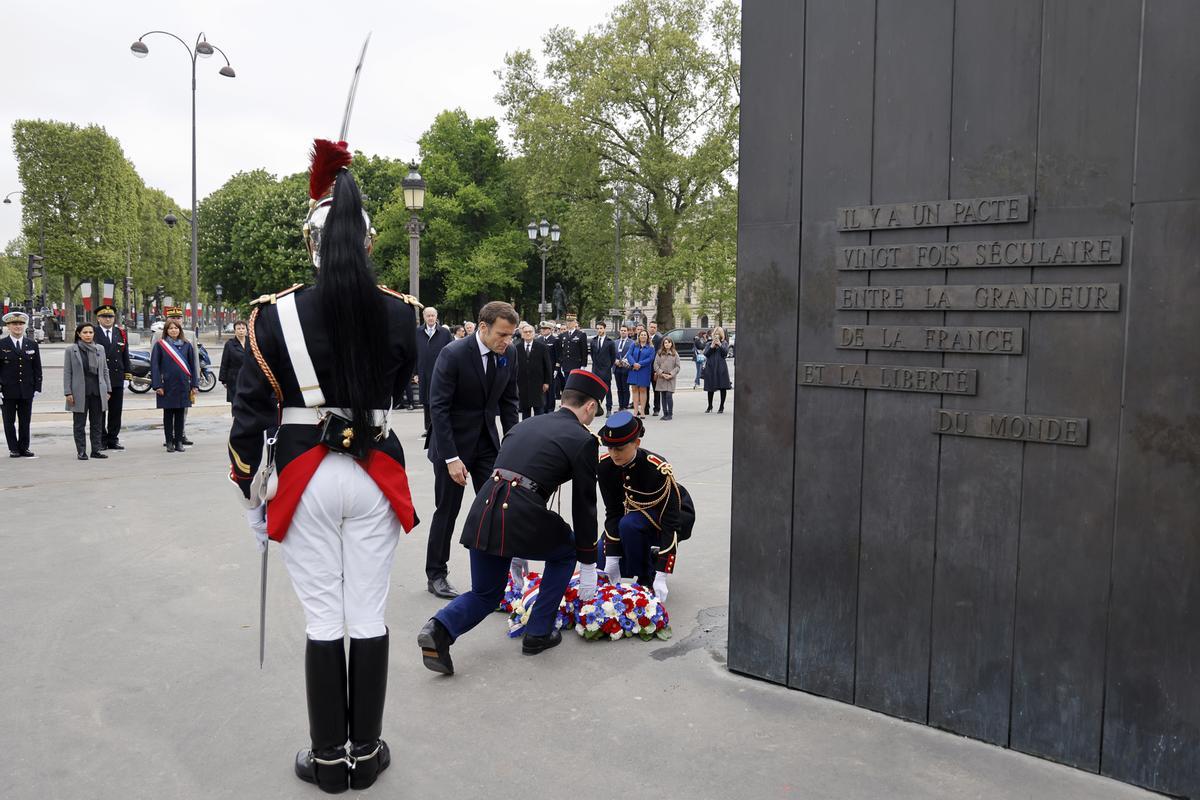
544	236
202	49
220	310
413	186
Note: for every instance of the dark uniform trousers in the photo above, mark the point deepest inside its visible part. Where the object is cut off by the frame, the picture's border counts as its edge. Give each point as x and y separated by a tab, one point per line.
638	536
449	497
489	577
17	415
112	417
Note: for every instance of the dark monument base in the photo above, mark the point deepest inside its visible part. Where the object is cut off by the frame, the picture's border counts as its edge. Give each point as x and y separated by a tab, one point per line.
972	498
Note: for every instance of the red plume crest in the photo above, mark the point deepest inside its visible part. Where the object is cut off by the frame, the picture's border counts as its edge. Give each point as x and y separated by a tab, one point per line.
327	158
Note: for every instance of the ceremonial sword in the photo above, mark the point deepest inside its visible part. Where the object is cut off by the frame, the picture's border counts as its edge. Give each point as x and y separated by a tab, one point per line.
262	576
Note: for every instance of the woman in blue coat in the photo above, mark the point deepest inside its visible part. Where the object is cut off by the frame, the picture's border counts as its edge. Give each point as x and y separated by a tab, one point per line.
173	378
641	371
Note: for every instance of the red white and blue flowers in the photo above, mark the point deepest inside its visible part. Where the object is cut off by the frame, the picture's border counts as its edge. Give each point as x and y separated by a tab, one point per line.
618	611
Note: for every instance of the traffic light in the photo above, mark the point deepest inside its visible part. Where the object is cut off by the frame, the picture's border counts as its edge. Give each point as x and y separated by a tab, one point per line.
35	266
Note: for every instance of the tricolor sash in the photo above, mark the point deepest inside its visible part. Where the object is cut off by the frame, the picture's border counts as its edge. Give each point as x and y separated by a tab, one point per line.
175	356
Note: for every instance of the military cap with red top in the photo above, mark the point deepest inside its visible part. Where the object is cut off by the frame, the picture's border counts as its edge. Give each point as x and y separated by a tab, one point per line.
587	382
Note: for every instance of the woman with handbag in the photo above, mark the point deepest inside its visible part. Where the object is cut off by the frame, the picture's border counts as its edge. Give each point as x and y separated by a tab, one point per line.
666	368
86	385
335	494
172	379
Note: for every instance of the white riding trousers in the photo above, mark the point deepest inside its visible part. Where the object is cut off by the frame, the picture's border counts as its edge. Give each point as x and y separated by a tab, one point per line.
339	551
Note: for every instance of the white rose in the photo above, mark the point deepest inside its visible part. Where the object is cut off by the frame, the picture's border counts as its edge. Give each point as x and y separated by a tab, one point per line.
609	607
593	626
615	636
588	609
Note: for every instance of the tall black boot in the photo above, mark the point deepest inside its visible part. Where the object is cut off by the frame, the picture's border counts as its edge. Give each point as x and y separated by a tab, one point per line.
368	688
326	764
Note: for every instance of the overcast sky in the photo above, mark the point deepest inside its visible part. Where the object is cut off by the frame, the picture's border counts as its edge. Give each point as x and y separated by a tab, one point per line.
69	60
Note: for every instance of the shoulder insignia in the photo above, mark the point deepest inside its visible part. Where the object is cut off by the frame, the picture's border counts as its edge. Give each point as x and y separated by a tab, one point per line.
663	466
269	299
604	456
408	298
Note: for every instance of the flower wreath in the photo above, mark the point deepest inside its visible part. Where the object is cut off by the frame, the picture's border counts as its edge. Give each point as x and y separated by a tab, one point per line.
618	610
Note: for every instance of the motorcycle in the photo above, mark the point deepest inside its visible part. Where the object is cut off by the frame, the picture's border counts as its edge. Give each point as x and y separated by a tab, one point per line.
139	368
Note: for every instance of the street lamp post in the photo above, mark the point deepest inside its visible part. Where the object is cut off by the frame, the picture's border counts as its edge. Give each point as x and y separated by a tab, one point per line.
220	309
544	236
202	49
413	186
617	310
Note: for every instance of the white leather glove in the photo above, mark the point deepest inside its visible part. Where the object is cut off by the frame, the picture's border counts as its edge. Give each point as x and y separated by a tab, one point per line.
518	569
256	518
587	582
660	586
612	568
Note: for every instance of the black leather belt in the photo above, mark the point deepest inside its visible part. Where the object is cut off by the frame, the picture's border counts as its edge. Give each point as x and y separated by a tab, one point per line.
517	479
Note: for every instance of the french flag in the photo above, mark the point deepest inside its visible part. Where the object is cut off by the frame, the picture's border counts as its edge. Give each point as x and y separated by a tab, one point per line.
108	291
86	289
6	302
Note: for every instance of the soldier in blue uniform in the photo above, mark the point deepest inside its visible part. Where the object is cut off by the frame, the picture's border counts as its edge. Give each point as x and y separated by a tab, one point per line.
511	518
116	355
20	380
646	512
572	348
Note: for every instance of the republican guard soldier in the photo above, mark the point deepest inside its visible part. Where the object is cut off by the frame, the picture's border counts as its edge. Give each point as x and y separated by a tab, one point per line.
511	518
20	380
116	355
646	512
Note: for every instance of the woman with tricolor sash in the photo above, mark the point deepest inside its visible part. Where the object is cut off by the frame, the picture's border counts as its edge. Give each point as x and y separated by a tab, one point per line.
173	380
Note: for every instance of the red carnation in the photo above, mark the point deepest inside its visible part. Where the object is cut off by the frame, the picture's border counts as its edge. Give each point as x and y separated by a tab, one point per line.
628	604
642	602
611	626
644	622
662	623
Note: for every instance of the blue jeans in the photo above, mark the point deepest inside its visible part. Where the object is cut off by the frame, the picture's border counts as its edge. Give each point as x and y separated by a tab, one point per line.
699	372
489	576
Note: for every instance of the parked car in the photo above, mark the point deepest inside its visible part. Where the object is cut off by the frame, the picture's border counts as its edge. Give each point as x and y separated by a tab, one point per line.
684	340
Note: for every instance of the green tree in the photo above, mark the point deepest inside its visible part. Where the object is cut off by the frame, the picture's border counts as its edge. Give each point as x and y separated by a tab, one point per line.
647	102
251	239
79	185
474	246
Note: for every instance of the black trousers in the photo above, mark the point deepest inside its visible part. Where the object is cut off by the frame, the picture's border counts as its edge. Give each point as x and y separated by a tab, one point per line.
656	402
668	403
95	418
623	390
17	414
173	425
112	417
448	497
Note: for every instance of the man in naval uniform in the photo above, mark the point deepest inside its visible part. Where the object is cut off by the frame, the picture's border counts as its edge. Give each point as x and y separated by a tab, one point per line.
511	518
572	347
646	512
116	355
20	381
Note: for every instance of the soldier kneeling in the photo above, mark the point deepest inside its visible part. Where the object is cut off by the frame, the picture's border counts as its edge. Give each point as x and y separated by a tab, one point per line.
646	512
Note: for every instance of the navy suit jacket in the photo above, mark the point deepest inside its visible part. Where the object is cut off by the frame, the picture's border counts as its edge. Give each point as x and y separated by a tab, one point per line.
20	371
428	348
603	357
462	407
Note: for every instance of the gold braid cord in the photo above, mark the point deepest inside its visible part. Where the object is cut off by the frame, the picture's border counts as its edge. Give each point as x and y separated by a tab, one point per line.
644	502
262	362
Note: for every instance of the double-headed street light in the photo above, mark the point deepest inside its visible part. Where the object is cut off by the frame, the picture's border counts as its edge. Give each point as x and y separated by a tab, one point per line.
220	309
36	268
544	236
413	187
202	49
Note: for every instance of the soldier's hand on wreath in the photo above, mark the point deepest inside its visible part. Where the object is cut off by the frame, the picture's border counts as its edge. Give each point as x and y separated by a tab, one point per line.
587	582
518	569
458	471
256	518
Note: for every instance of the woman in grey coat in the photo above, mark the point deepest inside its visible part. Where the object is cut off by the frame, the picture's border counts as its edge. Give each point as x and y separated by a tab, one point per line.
666	368
87	387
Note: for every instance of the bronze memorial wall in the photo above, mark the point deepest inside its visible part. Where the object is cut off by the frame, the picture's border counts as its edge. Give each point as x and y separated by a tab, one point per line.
966	481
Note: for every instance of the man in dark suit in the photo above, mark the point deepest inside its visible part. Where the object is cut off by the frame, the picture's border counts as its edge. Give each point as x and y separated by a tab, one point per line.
534	373
551	341
20	380
621	367
604	355
656	340
431	338
474	381
116	355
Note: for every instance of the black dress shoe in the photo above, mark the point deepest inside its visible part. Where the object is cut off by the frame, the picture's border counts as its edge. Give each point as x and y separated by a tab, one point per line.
170	447
327	769
115	446
27	454
14	455
442	588
186	441
98	454
532	645
82	456
435	643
